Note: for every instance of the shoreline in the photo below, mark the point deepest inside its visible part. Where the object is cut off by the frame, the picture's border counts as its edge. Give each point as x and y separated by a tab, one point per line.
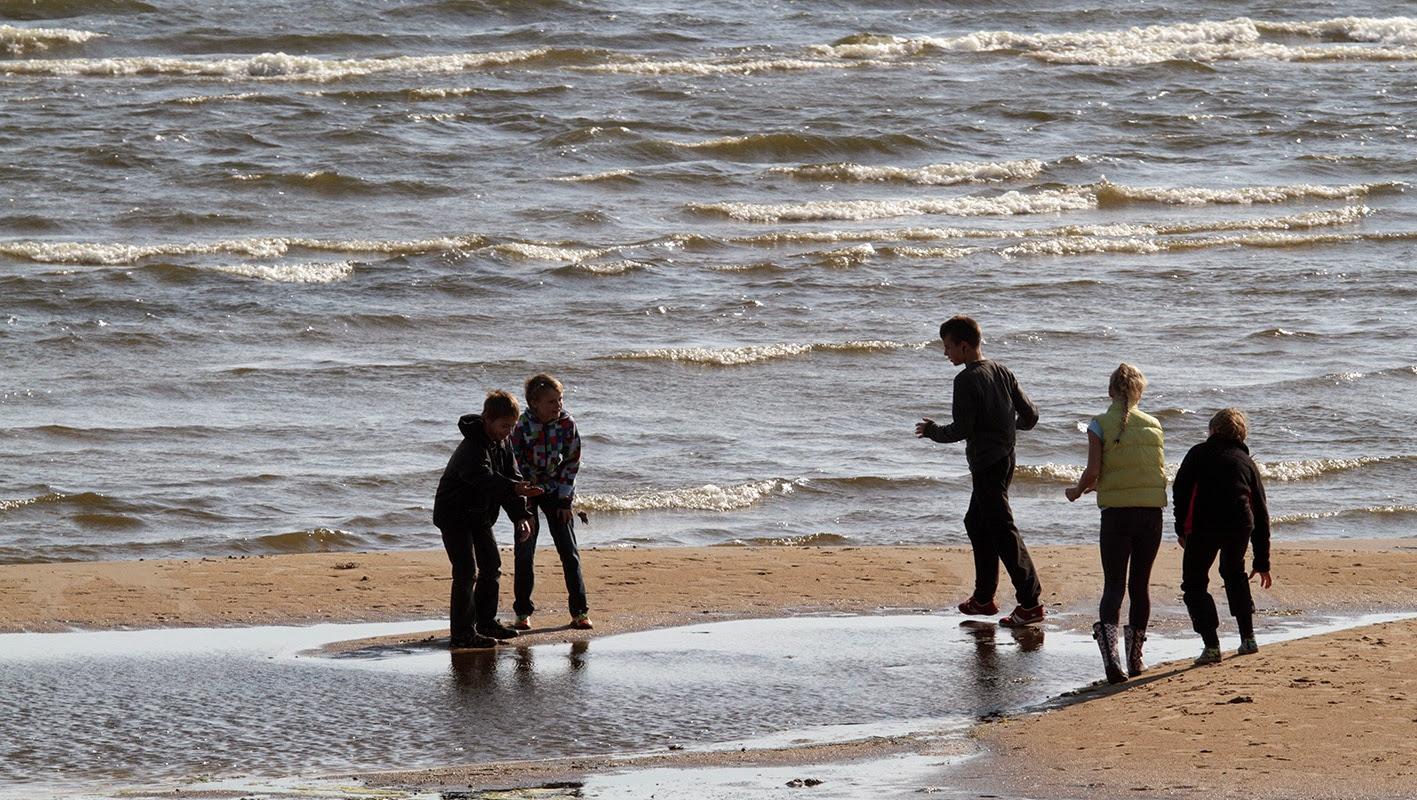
1337	704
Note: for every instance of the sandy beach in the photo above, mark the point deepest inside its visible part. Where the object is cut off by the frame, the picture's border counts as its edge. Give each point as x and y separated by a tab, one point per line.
1338	705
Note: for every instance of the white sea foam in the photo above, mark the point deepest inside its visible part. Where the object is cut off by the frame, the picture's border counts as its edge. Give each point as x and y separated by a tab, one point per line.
1387	510
708	68
537	251
596	176
19	41
214	98
270	66
1009	203
114	254
709	497
751	354
930	175
313	272
1313	467
1109	193
610	268
1206	41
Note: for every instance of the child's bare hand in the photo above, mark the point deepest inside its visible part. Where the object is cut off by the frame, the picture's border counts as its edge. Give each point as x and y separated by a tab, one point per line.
1265	580
564	515
523	530
922	426
528	489
1072	493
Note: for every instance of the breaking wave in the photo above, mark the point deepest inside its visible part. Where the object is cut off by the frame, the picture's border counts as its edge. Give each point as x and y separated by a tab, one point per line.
1009	203
117	254
20	41
1345	513
709	68
752	354
272	66
930	175
709	497
313	272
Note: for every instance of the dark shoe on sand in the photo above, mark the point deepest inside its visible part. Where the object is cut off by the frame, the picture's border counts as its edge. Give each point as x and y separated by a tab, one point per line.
496	630
1210	655
1248	647
472	642
1023	616
974	608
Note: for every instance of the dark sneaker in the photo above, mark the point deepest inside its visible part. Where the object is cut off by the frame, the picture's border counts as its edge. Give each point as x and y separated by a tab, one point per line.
1210	655
974	608
496	630
581	622
474	642
1248	647
523	622
1023	617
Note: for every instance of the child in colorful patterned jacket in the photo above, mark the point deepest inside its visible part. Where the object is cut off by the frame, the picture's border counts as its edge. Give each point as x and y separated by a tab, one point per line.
548	451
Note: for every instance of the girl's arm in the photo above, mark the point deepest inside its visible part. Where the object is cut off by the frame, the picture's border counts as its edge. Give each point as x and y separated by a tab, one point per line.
1088	480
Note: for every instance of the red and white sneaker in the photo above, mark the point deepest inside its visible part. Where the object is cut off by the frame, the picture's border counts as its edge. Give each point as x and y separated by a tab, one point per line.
1023	617
974	608
523	623
581	622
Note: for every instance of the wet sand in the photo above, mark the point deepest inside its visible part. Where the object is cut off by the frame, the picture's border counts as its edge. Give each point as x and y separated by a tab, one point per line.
1338	705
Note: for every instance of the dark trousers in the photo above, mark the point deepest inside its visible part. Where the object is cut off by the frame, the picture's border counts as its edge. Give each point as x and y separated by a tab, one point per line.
1201	549
564	535
994	537
1130	537
477	565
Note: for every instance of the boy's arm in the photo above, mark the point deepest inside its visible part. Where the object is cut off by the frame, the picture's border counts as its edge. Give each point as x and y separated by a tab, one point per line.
1260	508
1026	410
964	409
477	472
1181	489
513	503
569	468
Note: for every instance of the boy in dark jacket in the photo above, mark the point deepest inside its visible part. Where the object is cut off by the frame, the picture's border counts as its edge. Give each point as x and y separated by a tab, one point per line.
481	476
988	408
1220	508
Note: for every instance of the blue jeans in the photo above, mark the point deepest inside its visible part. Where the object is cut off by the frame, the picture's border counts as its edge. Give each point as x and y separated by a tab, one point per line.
564	535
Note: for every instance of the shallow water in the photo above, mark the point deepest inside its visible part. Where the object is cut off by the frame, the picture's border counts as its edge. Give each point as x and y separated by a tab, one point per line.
255	259
88	712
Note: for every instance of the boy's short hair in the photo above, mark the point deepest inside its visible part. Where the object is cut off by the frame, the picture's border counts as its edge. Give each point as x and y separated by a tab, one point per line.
962	329
500	405
1230	423
539	384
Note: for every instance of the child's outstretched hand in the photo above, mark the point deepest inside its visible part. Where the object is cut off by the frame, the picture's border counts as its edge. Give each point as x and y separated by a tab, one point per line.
1265	580
528	489
523	530
922	426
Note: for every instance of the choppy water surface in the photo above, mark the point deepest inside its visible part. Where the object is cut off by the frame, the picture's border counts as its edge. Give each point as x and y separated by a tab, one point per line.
255	259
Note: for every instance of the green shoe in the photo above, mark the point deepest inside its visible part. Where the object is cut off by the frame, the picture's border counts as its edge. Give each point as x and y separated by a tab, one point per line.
1248	647
1210	655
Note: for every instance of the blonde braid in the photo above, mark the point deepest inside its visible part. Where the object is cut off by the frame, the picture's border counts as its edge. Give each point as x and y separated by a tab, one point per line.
1127	384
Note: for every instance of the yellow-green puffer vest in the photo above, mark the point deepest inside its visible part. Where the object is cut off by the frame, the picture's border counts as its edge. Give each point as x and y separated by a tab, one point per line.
1134	466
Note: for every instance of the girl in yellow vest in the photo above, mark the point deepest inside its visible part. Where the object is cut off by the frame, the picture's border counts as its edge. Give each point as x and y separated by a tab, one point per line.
1126	464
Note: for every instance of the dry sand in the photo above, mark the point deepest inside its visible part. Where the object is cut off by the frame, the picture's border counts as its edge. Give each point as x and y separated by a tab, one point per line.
1330	716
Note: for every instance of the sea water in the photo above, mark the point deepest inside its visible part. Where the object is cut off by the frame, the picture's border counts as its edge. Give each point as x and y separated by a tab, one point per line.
257	258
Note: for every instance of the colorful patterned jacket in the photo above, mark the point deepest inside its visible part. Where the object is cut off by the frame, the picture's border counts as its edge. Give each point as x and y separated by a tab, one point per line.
549	455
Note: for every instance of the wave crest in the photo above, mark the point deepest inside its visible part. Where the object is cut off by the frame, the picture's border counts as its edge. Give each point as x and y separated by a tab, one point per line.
20	41
946	174
709	497
272	66
751	354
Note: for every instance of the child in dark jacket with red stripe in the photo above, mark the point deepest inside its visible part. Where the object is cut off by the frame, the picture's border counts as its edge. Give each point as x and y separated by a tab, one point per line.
1220	509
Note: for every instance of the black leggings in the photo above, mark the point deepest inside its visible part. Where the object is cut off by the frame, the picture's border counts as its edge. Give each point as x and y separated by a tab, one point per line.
1128	535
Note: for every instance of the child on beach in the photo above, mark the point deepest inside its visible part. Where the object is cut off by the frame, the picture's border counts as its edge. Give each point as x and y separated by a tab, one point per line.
481	475
548	450
988	408
1126	464
1220	508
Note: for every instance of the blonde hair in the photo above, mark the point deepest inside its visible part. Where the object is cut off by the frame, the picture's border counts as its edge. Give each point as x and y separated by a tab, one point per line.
499	405
1126	384
1230	423
539	384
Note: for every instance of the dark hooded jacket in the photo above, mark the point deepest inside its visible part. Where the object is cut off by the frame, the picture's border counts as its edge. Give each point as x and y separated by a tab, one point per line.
1218	490
478	479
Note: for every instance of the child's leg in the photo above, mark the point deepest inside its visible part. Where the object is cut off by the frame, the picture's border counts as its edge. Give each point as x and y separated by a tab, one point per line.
1237	584
1008	542
564	535
1116	548
1146	543
1195	577
461	613
981	543
524	560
